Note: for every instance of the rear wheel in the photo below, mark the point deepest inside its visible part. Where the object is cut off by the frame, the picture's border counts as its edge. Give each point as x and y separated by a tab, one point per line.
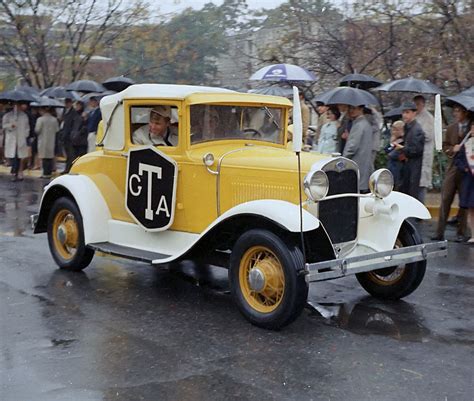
398	281
66	236
267	280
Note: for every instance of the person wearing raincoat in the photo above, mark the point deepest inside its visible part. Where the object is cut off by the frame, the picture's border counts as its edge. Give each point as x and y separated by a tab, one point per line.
16	128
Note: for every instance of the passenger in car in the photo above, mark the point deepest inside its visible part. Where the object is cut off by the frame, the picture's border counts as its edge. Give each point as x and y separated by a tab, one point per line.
158	131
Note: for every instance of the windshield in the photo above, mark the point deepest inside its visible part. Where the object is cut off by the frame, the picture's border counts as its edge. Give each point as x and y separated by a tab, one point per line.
211	123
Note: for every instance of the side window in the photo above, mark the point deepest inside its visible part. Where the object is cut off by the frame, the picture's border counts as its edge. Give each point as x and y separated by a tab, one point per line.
154	125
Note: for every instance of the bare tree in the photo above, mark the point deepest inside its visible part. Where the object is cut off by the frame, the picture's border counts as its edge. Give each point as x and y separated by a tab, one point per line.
52	41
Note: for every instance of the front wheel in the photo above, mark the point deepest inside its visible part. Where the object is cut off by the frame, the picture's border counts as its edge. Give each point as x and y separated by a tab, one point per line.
66	236
267	280
398	281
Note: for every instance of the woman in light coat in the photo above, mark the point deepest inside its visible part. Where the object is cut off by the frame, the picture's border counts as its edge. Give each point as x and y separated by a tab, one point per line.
328	135
16	128
46	129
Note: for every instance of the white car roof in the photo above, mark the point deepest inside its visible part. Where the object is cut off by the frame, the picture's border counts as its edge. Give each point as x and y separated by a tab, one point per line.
142	91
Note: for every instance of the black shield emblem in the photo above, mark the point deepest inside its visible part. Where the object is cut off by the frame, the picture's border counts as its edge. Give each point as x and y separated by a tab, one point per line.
151	188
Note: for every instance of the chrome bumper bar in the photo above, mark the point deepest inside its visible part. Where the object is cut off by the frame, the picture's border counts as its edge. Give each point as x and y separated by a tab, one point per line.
336	268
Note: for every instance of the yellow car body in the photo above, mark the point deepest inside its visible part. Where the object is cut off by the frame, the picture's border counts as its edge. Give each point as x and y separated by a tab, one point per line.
228	188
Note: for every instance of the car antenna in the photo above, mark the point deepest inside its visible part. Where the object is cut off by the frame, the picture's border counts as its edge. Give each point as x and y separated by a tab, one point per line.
297	142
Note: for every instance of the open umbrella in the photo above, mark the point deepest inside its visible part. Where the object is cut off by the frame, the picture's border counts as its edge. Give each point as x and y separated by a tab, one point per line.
394	114
464	100
347	95
86	86
59	92
45	101
410	85
273	91
16	96
282	72
118	84
468	92
361	81
97	95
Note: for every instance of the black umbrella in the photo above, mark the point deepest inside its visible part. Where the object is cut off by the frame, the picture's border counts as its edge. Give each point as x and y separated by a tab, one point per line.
97	95
86	86
464	100
31	90
361	81
118	84
394	114
410	85
59	92
45	101
346	95
468	92
16	96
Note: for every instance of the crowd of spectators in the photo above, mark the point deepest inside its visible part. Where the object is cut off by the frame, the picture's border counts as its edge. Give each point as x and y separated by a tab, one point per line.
34	137
355	133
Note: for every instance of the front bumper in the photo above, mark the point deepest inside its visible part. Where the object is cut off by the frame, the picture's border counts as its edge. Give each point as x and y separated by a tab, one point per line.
336	268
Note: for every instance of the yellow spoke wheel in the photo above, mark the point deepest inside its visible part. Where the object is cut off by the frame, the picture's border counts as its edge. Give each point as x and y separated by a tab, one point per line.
262	280
398	281
65	234
266	279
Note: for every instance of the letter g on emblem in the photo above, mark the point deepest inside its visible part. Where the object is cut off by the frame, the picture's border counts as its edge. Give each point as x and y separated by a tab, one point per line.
151	188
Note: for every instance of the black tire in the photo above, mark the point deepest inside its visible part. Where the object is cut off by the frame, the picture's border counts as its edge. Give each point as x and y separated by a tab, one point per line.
66	236
398	281
283	268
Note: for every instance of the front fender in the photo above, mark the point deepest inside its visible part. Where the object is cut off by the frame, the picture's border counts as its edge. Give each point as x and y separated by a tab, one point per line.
94	210
283	213
381	219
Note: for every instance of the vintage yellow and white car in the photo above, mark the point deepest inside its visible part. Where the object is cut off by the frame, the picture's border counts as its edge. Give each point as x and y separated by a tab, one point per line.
229	191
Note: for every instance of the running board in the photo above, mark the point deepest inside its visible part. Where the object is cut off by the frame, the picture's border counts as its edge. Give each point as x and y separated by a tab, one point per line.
127	252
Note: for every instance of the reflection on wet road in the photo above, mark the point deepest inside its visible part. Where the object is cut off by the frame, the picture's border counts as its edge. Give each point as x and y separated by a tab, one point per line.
125	331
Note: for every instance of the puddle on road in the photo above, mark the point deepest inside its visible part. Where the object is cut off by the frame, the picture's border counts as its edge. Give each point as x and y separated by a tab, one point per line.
367	316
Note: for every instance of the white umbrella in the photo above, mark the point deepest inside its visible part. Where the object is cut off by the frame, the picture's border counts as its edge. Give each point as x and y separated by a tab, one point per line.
282	72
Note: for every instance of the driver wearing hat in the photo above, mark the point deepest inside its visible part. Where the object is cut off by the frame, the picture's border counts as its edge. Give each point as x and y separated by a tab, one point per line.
158	130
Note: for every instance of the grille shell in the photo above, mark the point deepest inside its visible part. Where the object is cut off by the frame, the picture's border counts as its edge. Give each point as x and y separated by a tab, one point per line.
340	216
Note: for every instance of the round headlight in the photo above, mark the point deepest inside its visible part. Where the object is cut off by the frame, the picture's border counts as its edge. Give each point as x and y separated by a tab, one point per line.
381	183
316	185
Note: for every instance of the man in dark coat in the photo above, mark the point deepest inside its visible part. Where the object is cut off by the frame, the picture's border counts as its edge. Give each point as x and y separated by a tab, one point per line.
66	130
412	151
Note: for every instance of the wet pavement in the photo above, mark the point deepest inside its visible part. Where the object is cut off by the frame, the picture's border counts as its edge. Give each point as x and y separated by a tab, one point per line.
126	331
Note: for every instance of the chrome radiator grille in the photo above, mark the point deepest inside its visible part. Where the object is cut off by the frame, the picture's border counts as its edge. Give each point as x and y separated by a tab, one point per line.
340	216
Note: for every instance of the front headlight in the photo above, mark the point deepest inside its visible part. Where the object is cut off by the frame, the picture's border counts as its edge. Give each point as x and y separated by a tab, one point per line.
381	183
316	185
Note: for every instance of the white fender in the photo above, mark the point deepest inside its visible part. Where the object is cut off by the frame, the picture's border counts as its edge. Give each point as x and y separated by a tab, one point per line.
381	219
94	210
284	213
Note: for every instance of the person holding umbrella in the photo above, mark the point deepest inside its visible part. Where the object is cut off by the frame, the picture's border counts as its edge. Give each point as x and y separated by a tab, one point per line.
359	145
16	128
411	151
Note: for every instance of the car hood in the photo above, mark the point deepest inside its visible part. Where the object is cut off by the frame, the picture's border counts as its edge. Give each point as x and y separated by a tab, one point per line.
260	157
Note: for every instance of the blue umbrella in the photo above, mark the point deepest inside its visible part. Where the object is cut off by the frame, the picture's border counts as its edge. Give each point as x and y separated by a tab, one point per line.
282	72
17	96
